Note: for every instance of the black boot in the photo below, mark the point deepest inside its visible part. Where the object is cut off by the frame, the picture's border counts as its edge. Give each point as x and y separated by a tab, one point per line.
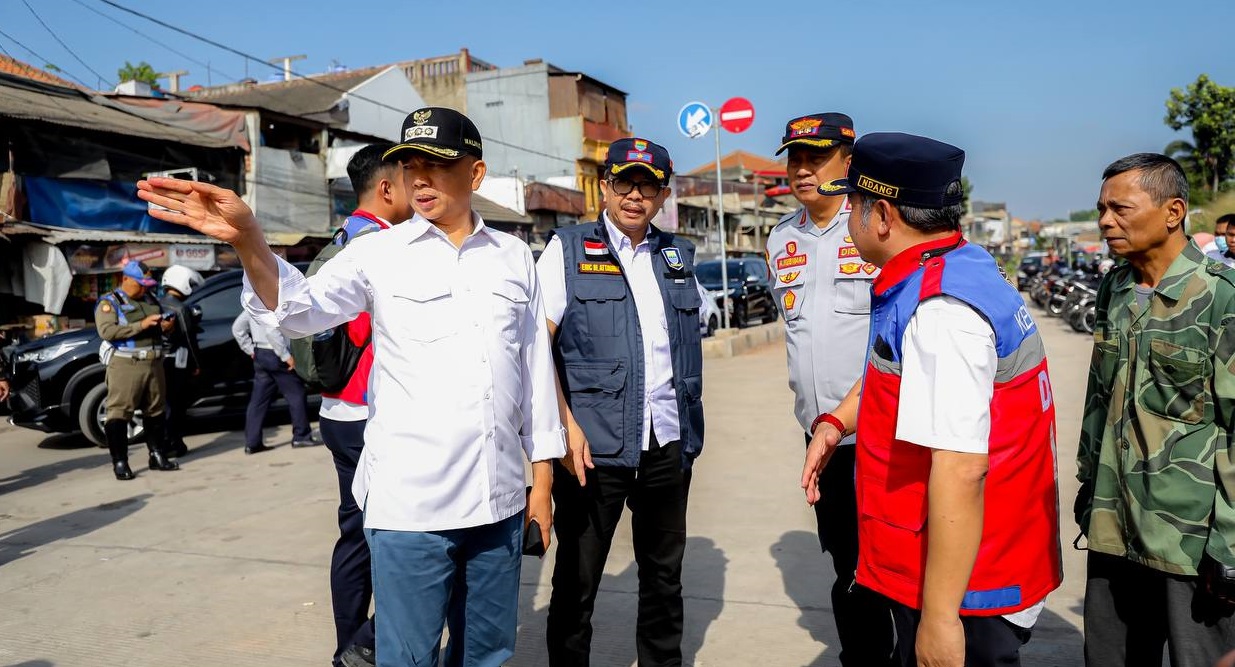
117	435
154	443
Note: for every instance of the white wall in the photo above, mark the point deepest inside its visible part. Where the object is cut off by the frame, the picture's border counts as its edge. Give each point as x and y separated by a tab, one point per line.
392	89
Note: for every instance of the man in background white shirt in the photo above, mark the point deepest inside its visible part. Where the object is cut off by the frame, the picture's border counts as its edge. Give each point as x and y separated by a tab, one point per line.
272	369
462	385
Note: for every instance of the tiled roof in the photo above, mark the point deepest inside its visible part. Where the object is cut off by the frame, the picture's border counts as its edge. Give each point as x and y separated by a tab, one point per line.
25	70
748	161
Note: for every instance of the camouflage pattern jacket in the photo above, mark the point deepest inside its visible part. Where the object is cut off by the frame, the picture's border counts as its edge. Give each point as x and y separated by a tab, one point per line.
1155	456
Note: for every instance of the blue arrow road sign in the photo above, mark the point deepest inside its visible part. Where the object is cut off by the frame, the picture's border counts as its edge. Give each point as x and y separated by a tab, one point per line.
695	119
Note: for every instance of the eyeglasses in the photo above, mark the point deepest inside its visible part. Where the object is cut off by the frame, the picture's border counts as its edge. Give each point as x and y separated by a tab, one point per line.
622	186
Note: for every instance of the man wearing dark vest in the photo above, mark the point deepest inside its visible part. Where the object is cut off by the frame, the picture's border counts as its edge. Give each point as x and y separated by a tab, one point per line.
958	510
622	305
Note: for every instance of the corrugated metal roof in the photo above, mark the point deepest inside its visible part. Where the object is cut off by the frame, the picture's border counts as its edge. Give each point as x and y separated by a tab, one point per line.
30	100
299	97
55	235
494	212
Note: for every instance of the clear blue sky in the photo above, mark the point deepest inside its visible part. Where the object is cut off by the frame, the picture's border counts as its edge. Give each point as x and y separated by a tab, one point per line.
1041	95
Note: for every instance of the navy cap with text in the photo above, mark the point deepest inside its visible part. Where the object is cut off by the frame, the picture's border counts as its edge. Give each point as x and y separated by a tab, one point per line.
904	169
437	131
818	131
634	152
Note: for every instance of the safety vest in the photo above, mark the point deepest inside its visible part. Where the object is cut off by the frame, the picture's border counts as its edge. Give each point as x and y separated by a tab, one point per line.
599	346
120	302
1019	559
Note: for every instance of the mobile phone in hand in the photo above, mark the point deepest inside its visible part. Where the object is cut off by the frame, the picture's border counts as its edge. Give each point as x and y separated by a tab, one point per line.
533	543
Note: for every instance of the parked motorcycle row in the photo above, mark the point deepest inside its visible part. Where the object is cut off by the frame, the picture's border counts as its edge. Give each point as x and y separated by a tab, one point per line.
1068	294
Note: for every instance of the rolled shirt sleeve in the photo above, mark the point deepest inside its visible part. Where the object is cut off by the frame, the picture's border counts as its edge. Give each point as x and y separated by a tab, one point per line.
542	435
336	294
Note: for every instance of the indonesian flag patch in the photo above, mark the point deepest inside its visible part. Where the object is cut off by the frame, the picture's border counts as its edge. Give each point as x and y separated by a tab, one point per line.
593	248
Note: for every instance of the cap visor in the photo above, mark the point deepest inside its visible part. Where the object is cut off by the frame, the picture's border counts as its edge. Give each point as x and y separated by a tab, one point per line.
835	188
619	168
812	143
397	152
147	282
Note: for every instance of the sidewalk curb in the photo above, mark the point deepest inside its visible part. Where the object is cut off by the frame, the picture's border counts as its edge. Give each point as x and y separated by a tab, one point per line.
732	342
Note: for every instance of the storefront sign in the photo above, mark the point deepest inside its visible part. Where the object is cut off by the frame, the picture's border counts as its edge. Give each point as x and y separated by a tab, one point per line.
193	256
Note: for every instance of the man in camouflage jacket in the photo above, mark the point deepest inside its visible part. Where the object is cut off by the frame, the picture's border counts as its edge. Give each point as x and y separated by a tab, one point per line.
1157	499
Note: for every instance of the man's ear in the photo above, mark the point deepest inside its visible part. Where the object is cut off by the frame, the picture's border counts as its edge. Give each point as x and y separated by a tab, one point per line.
883	223
479	169
1176	211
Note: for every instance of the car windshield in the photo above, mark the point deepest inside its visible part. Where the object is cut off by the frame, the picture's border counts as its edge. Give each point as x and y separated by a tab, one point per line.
1032	261
708	274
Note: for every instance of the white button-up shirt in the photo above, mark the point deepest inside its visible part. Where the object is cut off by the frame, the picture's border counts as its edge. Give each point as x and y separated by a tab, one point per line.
462	385
660	403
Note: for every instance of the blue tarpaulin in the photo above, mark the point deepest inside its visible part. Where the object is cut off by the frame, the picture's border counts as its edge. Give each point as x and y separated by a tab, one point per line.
87	204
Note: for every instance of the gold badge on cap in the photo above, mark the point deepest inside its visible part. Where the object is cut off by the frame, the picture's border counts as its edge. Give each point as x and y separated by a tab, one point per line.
421	117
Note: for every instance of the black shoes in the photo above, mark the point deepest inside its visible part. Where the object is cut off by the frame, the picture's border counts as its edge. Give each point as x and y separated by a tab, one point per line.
256	449
357	656
159	461
122	470
177	449
308	442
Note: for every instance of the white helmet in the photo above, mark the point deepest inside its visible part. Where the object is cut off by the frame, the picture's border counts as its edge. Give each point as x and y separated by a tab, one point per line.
182	279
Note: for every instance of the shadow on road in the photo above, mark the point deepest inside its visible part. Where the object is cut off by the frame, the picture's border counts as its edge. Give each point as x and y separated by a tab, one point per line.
807	577
33	663
21	542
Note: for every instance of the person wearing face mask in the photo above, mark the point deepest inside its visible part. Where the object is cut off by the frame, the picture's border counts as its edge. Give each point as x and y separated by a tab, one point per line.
1218	247
623	310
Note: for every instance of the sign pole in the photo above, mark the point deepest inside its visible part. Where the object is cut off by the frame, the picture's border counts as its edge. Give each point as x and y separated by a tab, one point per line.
720	208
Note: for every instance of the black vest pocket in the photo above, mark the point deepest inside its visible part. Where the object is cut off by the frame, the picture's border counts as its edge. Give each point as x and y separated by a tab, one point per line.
604	303
597	394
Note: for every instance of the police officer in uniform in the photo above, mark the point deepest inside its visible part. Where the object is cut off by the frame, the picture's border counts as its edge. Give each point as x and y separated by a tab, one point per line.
178	283
131	319
822	288
623	308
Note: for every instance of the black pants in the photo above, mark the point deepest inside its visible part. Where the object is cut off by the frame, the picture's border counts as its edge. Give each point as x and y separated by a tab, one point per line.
269	374
1133	611
863	621
179	395
584	521
351	578
990	641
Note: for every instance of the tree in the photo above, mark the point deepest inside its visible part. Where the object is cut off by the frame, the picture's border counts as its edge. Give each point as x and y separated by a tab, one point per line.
1195	169
1209	110
1084	215
967	189
142	72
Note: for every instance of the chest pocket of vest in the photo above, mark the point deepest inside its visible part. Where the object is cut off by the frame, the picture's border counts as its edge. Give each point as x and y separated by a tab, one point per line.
509	308
604	302
424	311
1174	382
597	391
686	304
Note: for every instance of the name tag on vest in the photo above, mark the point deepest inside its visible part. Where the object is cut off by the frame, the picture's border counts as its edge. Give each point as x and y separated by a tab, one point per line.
607	268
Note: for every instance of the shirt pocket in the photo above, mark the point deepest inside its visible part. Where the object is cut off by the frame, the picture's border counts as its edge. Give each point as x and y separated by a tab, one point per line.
510	301
424	312
1175	383
853	296
1105	356
789	290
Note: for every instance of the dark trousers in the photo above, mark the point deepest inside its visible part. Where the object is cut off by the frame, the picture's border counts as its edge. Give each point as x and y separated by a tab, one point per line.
351	576
1133	611
179	396
863	621
269	374
584	521
990	641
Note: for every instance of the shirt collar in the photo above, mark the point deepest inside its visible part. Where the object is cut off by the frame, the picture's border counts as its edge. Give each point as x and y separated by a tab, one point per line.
907	261
418	227
381	222
805	223
620	240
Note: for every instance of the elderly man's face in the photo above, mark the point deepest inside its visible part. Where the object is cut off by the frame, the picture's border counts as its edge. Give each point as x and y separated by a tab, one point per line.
1130	221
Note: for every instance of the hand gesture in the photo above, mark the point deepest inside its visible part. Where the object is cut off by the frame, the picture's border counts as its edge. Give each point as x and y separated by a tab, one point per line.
822	445
579	457
211	210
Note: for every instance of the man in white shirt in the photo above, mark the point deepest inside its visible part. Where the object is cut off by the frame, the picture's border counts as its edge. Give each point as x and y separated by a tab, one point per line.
272	370
623	306
461	388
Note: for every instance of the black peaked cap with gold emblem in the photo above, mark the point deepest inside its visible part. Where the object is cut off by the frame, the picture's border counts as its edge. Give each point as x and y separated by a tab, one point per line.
437	131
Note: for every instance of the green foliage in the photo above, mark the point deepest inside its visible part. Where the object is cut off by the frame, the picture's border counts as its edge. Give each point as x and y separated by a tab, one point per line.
967	188
1208	109
141	72
1086	215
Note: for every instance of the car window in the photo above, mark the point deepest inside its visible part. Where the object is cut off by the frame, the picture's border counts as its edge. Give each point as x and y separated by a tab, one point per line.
221	305
759	270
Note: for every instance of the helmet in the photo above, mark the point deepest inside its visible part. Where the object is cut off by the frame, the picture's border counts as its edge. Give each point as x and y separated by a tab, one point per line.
182	279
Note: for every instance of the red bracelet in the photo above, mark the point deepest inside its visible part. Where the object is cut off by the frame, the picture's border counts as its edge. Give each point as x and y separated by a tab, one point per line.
827	418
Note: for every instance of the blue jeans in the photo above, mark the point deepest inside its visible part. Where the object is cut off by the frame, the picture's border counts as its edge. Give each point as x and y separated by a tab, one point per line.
419	576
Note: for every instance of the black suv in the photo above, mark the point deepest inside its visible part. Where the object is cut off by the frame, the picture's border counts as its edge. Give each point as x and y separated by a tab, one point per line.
750	292
58	383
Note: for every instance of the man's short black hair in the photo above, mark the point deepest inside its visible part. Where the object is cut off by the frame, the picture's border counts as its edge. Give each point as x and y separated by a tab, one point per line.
1161	177
366	167
1225	218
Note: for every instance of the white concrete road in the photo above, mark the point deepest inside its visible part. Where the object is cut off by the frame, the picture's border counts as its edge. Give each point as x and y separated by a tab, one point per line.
226	561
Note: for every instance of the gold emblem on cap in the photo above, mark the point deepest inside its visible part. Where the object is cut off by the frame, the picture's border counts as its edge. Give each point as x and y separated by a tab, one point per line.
804	126
830	186
881	189
421	117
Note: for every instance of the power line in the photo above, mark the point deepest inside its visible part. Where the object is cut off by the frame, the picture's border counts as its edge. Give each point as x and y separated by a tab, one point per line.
248	57
45	60
66	46
156	41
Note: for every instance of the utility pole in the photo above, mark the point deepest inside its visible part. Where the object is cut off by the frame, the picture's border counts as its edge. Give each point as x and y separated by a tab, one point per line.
720	217
287	64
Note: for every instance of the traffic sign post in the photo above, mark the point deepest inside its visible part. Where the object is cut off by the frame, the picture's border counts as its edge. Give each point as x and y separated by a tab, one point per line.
694	120
737	115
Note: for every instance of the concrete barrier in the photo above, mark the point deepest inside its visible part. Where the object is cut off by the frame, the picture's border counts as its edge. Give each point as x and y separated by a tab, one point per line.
732	342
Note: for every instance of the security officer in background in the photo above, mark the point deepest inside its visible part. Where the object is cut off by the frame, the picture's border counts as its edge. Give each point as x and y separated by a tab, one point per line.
822	288
178	283
623	309
131	319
